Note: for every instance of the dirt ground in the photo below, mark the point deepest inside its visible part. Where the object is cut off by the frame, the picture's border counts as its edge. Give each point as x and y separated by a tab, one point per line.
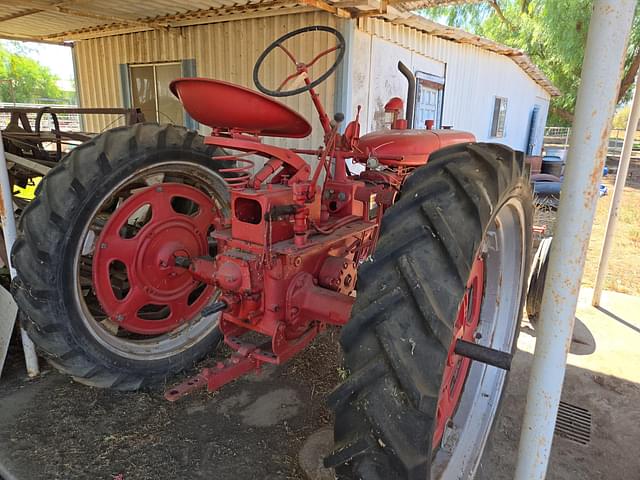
53	428
257	424
624	263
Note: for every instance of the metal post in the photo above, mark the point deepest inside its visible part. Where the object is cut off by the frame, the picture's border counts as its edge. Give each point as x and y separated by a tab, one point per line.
618	189
603	62
7	217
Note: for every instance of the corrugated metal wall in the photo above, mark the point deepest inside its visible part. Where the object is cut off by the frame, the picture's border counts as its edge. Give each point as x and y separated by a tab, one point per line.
225	51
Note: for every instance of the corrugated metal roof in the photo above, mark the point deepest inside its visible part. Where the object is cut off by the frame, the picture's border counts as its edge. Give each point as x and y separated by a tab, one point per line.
70	20
77	19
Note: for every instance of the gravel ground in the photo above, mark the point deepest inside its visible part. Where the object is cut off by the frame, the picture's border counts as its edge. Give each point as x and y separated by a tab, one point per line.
256	424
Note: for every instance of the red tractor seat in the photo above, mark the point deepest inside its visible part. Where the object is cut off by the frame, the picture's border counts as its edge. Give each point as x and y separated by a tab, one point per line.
227	106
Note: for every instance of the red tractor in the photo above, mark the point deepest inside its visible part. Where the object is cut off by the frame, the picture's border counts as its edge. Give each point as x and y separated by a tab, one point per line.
149	244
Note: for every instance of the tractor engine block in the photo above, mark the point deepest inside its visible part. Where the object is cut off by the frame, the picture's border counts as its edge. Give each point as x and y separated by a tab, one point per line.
286	266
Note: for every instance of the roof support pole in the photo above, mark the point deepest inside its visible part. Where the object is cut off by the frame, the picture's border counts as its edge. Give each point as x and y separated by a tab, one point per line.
603	61
7	217
614	208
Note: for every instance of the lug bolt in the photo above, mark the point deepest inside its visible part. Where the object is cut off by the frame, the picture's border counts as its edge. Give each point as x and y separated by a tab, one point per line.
103	246
119	318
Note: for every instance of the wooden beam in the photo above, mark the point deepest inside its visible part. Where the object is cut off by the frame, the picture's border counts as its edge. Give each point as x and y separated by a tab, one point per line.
23	38
321	5
23	13
358	4
96	32
386	11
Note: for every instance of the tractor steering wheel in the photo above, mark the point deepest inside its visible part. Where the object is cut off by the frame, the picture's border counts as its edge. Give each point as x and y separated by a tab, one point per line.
301	67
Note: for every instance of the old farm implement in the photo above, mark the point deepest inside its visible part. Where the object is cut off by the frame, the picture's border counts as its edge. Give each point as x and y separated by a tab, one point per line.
149	244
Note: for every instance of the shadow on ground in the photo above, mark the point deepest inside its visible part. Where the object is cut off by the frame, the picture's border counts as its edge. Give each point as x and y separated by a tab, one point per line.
613	403
602	377
54	428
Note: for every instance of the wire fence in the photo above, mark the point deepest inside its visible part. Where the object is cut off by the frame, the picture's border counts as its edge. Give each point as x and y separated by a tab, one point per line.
69	122
559	138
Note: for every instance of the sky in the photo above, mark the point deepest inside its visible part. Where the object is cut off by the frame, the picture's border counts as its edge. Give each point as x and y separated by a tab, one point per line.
56	57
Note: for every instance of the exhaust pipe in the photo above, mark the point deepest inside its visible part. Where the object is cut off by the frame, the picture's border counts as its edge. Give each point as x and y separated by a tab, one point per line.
411	92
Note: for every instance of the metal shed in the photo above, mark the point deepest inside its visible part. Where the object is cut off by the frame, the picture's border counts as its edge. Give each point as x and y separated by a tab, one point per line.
212	39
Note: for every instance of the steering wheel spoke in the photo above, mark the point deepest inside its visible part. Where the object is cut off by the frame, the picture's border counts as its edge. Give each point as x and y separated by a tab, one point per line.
288	79
288	53
320	55
301	68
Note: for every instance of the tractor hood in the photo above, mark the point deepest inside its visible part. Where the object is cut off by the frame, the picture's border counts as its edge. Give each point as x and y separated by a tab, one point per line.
410	147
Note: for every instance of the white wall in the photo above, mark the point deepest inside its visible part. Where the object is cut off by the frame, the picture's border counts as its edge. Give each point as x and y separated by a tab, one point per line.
473	78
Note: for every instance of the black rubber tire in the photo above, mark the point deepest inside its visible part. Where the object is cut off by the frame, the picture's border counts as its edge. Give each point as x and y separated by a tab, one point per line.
385	409
50	230
536	281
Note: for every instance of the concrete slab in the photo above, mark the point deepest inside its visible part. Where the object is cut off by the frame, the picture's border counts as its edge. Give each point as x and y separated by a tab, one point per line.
53	428
312	453
603	376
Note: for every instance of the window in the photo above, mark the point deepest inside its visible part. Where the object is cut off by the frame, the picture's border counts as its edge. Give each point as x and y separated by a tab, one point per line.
429	96
499	116
150	92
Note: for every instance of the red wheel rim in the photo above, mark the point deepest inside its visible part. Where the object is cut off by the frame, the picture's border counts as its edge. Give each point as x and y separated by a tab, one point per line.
160	295
457	367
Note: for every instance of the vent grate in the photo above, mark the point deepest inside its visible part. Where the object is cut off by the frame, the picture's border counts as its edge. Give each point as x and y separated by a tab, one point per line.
573	423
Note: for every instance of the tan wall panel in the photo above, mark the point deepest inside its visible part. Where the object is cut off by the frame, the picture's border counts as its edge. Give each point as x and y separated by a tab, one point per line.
225	51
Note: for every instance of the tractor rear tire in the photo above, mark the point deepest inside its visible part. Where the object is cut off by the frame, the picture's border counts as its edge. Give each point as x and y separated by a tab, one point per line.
54	238
469	204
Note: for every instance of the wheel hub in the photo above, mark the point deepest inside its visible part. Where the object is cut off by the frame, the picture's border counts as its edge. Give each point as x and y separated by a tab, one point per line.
135	276
457	367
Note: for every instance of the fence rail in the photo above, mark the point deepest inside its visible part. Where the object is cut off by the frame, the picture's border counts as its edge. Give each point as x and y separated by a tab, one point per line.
559	137
69	122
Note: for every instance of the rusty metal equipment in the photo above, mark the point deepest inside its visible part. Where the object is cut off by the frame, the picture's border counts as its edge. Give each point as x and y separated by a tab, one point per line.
26	143
288	255
159	242
27	139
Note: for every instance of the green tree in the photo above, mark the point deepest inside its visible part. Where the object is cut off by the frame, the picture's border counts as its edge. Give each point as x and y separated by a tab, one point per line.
621	117
552	32
23	80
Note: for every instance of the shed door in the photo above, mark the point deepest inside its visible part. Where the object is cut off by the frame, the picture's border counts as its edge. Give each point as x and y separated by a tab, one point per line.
429	95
